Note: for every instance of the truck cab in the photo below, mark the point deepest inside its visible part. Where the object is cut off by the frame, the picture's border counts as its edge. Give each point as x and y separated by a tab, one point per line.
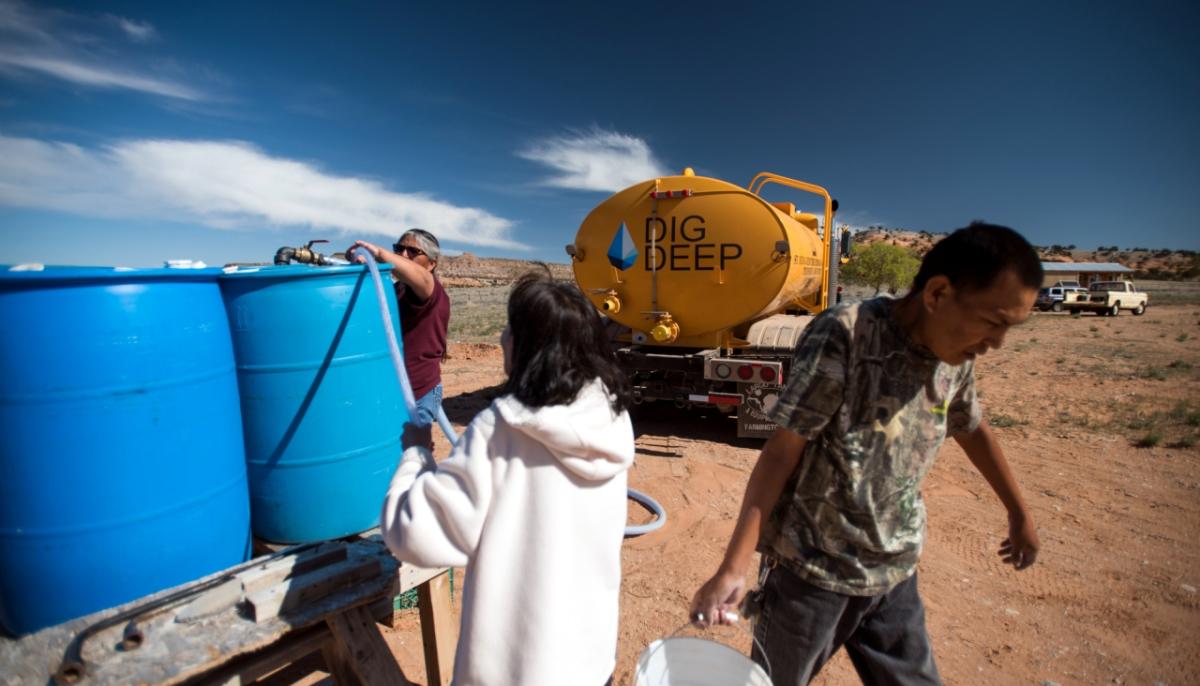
1108	298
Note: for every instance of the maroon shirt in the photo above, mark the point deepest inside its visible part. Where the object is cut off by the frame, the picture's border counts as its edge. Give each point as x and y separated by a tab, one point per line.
423	326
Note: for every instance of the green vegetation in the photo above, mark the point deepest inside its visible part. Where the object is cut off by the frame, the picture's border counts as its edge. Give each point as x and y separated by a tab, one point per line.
1082	421
881	264
1149	440
1152	373
477	315
1004	421
1183	412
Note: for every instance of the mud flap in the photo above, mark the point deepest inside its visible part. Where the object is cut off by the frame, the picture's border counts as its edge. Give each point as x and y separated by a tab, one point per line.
753	414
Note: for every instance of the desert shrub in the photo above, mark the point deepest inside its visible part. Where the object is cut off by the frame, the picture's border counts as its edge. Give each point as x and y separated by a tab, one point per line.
1149	440
1152	372
1005	421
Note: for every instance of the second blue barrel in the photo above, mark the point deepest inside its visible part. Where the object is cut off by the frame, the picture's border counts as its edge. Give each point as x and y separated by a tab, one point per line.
322	411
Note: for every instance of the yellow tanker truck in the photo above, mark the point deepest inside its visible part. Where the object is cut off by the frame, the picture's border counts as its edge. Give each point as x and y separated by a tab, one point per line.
708	286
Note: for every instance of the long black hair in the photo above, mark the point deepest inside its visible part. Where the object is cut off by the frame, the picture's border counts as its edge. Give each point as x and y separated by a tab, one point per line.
559	345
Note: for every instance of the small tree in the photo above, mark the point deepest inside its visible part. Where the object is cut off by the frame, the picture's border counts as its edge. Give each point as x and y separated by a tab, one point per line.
881	264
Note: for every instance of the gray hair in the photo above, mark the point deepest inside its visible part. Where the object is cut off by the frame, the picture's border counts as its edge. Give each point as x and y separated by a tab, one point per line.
425	241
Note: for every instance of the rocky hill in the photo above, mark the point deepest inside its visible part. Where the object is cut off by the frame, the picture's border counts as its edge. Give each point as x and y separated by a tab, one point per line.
468	269
1166	265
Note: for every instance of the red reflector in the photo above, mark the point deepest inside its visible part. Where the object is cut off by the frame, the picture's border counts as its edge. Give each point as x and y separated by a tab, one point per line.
685	193
766	374
717	398
745	372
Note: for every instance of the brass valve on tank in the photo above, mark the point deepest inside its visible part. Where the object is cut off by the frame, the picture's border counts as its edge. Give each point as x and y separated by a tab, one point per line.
610	304
665	329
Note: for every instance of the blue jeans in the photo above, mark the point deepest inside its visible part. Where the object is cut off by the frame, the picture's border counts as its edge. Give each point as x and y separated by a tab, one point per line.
802	626
428	406
419	429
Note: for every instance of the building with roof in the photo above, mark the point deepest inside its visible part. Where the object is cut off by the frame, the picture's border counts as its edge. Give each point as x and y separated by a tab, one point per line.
1085	273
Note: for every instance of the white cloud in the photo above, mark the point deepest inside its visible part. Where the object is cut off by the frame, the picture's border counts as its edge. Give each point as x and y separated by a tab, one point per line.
71	47
99	77
140	31
596	160
225	184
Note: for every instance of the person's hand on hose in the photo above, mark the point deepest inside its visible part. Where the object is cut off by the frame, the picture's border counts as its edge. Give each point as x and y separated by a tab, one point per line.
355	252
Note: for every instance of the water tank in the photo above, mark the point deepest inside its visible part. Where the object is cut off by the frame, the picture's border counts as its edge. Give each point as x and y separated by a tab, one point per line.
705	251
122	467
322	411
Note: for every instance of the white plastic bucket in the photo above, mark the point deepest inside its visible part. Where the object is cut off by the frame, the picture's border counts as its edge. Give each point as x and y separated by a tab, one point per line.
687	661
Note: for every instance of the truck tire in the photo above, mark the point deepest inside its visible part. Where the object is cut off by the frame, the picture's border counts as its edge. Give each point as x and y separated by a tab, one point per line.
1139	310
1115	309
1057	306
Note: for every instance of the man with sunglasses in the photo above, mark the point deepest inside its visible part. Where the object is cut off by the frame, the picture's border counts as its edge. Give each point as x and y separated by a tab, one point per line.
424	317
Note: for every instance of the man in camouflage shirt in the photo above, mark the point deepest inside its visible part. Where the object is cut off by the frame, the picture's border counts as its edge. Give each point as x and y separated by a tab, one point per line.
834	502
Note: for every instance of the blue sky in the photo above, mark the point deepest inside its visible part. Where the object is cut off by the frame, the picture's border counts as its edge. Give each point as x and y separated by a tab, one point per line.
133	132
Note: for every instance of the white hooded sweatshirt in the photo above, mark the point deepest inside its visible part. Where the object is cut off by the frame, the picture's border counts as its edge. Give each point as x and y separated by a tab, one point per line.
532	502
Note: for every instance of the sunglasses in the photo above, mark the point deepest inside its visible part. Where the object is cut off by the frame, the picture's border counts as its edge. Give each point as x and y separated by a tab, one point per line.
408	250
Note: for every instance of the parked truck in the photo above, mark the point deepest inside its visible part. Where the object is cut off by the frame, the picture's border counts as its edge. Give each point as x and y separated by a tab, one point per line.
707	287
1109	298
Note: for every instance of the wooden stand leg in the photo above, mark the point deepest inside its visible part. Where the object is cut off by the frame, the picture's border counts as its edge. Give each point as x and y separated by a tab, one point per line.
438	633
338	664
361	648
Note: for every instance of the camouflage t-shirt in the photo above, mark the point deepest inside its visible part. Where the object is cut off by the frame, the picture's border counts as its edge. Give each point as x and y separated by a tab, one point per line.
875	408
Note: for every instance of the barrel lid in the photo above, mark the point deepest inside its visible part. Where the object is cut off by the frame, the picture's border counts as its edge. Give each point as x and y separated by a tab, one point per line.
294	271
38	273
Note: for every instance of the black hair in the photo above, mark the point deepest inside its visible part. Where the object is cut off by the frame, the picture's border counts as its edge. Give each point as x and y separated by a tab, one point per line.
974	256
559	345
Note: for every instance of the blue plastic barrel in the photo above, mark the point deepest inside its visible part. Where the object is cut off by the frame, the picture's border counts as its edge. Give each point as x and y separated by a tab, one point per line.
322	411
121	459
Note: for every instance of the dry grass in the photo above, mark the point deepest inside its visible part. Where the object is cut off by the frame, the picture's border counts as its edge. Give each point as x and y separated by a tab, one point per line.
477	315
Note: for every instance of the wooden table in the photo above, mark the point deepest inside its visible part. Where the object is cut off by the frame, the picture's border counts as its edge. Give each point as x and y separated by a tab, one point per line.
242	623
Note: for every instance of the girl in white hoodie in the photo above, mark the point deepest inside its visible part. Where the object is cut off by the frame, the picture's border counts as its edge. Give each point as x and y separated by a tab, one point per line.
531	501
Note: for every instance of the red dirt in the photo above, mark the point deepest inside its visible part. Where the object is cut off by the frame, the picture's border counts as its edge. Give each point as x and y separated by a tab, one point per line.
1112	598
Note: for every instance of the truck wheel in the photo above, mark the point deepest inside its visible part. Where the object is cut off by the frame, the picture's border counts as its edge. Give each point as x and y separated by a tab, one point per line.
1057	306
1140	309
1116	309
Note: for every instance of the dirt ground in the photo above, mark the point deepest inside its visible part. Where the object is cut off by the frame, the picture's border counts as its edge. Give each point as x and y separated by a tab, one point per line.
1099	418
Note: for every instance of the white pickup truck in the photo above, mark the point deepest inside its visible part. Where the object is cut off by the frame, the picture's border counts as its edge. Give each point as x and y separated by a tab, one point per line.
1109	298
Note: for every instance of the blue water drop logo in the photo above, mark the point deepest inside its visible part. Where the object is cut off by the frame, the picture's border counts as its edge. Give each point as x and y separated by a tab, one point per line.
622	252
